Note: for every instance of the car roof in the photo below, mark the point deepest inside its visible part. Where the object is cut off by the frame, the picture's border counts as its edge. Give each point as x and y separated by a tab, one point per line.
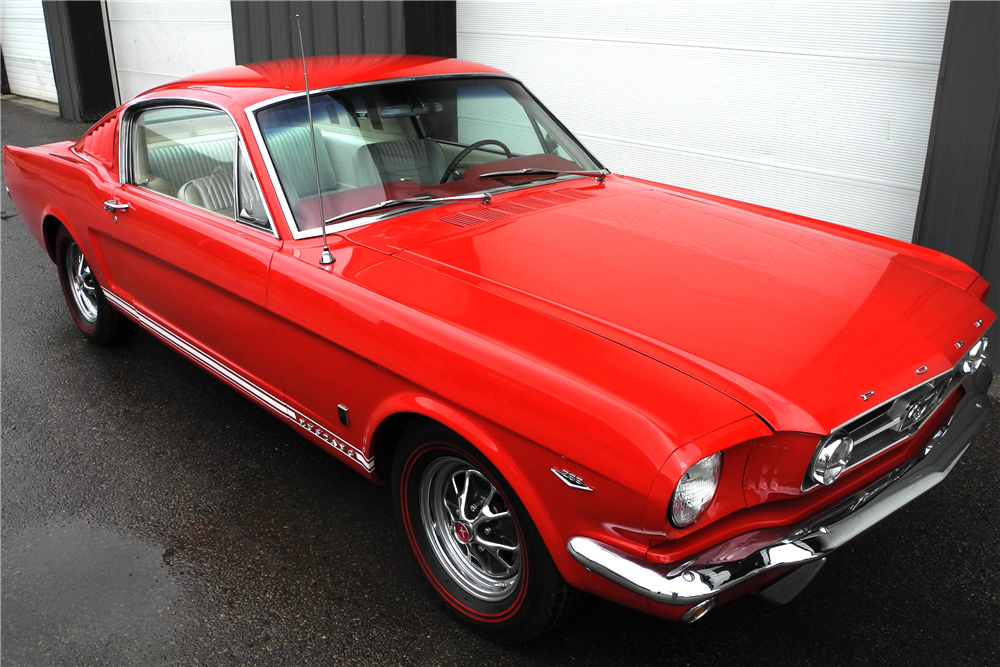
250	84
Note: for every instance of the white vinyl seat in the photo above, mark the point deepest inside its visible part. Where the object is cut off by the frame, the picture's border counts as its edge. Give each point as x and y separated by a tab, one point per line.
417	160
213	193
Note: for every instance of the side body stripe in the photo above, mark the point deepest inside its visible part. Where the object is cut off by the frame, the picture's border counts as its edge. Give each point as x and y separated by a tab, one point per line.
252	390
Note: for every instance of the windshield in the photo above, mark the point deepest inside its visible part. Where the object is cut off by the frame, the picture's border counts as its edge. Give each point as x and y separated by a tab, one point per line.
415	139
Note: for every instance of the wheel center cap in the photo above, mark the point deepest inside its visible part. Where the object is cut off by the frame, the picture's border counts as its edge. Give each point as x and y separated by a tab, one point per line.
462	533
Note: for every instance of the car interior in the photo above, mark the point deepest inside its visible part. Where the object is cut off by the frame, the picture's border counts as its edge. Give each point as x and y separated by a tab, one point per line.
373	144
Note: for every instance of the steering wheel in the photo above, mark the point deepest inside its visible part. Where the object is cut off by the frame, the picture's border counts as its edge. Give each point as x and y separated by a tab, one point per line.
450	169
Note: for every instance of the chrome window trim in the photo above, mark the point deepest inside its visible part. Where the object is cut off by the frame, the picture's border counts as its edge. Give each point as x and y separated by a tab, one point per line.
133	108
251	113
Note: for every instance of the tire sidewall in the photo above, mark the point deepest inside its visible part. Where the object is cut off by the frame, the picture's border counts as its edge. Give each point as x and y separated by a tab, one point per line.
95	331
417	450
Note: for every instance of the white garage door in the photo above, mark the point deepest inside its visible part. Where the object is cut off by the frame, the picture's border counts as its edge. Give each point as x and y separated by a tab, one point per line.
157	42
26	50
821	109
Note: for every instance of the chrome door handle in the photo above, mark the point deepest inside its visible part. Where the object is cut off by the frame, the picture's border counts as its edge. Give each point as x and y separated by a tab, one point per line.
113	205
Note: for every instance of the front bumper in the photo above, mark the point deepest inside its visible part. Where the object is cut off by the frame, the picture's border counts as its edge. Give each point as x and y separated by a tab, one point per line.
711	573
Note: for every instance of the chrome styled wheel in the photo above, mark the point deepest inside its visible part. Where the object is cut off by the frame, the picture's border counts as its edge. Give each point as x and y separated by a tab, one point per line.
97	320
473	538
470	529
83	284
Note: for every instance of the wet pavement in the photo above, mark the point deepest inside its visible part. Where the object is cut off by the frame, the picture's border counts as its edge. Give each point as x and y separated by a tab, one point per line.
152	516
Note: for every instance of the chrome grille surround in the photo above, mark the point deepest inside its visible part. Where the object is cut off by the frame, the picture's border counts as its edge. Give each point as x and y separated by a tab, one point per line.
890	422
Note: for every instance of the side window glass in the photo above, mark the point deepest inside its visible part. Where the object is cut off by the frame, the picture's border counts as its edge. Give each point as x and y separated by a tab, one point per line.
186	154
251	206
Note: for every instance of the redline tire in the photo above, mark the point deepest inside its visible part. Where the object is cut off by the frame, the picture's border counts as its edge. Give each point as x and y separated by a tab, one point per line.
97	319
486	562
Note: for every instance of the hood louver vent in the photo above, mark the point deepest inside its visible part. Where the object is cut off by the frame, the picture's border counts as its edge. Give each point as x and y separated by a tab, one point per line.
498	212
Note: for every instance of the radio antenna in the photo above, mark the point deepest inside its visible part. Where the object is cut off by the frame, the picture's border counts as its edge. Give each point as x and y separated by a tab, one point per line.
326	257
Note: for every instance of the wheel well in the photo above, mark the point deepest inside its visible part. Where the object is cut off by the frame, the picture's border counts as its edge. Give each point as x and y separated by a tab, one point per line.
387	436
50	226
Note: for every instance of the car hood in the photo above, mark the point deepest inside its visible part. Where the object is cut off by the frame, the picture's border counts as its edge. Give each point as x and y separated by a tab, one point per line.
797	322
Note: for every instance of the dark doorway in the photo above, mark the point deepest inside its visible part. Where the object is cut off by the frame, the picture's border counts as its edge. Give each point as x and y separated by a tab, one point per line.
80	62
959	209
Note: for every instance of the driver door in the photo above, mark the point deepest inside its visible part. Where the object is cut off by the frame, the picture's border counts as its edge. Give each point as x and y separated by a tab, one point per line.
188	255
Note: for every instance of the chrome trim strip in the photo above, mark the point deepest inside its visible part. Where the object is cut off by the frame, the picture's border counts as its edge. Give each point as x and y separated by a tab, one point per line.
249	388
709	574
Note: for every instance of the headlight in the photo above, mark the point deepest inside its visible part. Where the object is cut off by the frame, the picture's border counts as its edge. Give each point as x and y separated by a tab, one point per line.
975	357
695	490
832	459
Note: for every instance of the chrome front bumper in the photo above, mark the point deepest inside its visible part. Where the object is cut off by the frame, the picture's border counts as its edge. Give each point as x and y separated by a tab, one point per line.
705	576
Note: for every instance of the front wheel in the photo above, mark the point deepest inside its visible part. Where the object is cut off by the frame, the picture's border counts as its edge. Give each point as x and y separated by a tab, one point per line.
473	539
99	322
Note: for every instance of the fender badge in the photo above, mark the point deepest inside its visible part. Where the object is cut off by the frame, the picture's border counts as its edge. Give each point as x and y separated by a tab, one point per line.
571	480
865	396
921	370
959	344
977	323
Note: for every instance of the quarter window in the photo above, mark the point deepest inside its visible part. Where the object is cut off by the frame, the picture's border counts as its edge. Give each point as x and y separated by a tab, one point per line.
251	209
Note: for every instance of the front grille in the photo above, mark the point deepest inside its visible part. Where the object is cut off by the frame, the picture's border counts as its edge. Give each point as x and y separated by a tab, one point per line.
892	422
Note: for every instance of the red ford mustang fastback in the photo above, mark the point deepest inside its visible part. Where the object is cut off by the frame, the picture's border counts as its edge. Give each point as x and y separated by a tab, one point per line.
574	380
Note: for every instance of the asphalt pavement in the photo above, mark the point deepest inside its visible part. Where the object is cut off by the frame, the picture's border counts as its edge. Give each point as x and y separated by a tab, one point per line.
153	516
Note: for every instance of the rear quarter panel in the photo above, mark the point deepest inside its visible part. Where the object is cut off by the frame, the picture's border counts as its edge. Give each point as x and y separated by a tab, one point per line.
54	181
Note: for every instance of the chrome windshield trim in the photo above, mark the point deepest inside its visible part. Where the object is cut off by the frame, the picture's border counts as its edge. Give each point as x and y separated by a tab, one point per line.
297	234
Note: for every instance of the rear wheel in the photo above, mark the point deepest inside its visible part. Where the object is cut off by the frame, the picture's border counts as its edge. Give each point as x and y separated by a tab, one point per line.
100	323
473	539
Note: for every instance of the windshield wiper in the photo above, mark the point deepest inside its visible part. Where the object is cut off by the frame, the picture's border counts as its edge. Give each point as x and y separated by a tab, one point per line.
599	175
485	197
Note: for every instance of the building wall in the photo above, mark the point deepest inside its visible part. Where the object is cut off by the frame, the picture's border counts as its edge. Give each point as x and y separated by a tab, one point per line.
26	49
156	42
821	109
959	210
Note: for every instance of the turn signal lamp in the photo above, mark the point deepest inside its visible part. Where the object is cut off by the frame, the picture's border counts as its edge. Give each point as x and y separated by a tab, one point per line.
695	490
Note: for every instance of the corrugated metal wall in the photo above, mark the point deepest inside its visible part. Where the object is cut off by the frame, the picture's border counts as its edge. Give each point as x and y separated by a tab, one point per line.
80	61
960	200
821	109
26	49
265	31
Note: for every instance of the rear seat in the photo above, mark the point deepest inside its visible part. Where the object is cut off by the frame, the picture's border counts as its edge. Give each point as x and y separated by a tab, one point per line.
179	163
201	173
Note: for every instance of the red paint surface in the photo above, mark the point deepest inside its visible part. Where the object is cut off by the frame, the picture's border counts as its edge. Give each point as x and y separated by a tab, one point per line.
622	333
